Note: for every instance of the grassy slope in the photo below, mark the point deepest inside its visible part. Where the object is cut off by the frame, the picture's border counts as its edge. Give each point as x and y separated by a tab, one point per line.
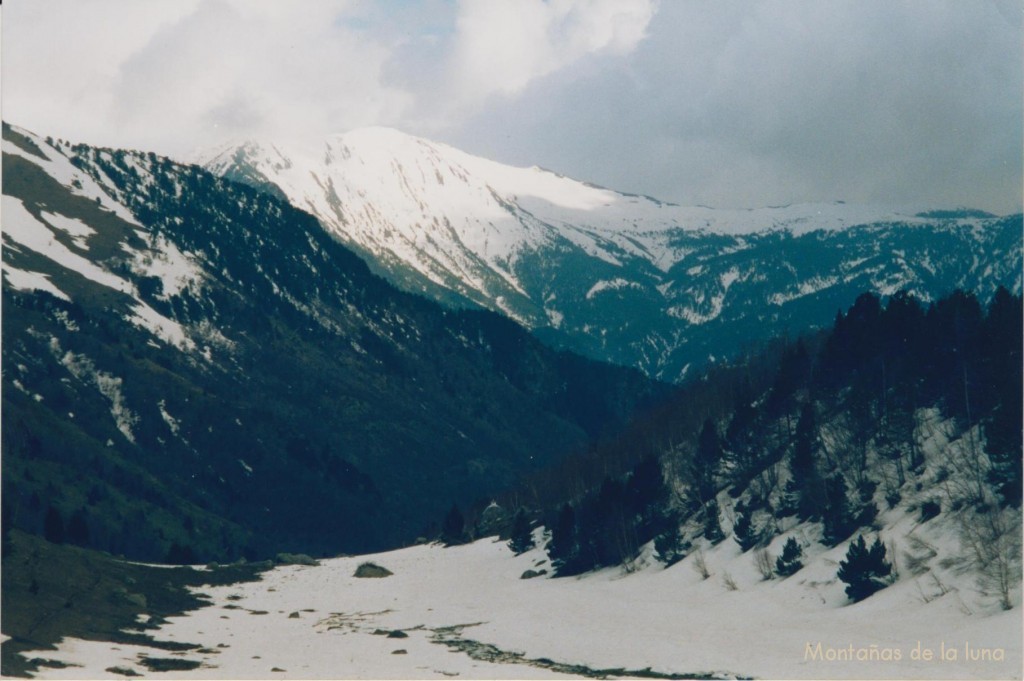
51	591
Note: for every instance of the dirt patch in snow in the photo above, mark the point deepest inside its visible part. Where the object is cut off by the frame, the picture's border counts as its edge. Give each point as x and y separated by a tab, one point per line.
486	652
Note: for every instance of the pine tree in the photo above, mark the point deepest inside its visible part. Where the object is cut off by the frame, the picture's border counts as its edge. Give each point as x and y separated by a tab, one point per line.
563	547
521	539
453	530
707	460
7	520
1002	376
956	320
1003	438
179	554
646	487
793	374
805	489
53	526
669	544
78	528
743	534
789	562
739	438
838	521
712	525
864	569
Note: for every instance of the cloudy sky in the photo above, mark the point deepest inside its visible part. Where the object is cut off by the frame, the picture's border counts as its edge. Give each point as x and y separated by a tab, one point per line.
732	104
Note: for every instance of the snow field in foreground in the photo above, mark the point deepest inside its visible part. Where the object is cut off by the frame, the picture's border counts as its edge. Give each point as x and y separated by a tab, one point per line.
670	620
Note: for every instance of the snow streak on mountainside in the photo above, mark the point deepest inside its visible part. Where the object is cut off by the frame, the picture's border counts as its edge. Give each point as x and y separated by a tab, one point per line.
620	277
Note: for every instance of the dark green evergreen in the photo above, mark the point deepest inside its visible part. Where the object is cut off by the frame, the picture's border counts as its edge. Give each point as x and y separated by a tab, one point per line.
180	554
789	561
563	548
743	533
668	544
865	569
1001	361
53	526
740	439
78	528
839	522
521	539
712	524
805	489
453	530
707	460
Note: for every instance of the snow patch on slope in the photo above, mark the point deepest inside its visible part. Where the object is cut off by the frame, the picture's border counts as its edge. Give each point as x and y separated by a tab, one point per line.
82	368
29	281
76	229
57	166
172	423
21	227
168	330
805	288
176	270
610	285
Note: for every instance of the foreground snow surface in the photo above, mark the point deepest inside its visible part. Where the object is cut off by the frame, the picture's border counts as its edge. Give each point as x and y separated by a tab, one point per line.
320	622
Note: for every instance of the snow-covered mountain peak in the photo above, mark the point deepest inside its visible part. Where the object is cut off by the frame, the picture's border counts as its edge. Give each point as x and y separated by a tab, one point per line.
382	140
374	181
244	151
459	221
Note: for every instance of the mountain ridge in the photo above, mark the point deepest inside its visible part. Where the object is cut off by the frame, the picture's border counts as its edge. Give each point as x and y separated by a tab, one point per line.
617	277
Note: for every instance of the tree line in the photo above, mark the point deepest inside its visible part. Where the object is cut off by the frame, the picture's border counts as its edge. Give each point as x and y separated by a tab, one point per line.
819	428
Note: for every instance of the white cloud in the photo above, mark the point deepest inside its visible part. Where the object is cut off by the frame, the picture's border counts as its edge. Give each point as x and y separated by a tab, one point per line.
732	103
502	46
745	104
61	57
172	76
241	68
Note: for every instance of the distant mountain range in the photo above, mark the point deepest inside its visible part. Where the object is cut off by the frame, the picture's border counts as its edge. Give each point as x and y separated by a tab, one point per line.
618	277
195	370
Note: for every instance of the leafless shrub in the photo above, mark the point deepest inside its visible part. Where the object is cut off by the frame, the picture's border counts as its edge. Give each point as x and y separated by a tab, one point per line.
895	574
918	556
729	582
925	598
700	565
928	598
766	482
921	546
763	562
943	590
992	538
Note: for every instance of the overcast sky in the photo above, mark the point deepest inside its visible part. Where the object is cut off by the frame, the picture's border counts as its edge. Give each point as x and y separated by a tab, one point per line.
731	104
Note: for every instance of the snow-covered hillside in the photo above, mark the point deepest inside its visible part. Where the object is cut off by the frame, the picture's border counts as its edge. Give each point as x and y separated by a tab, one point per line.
539	247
